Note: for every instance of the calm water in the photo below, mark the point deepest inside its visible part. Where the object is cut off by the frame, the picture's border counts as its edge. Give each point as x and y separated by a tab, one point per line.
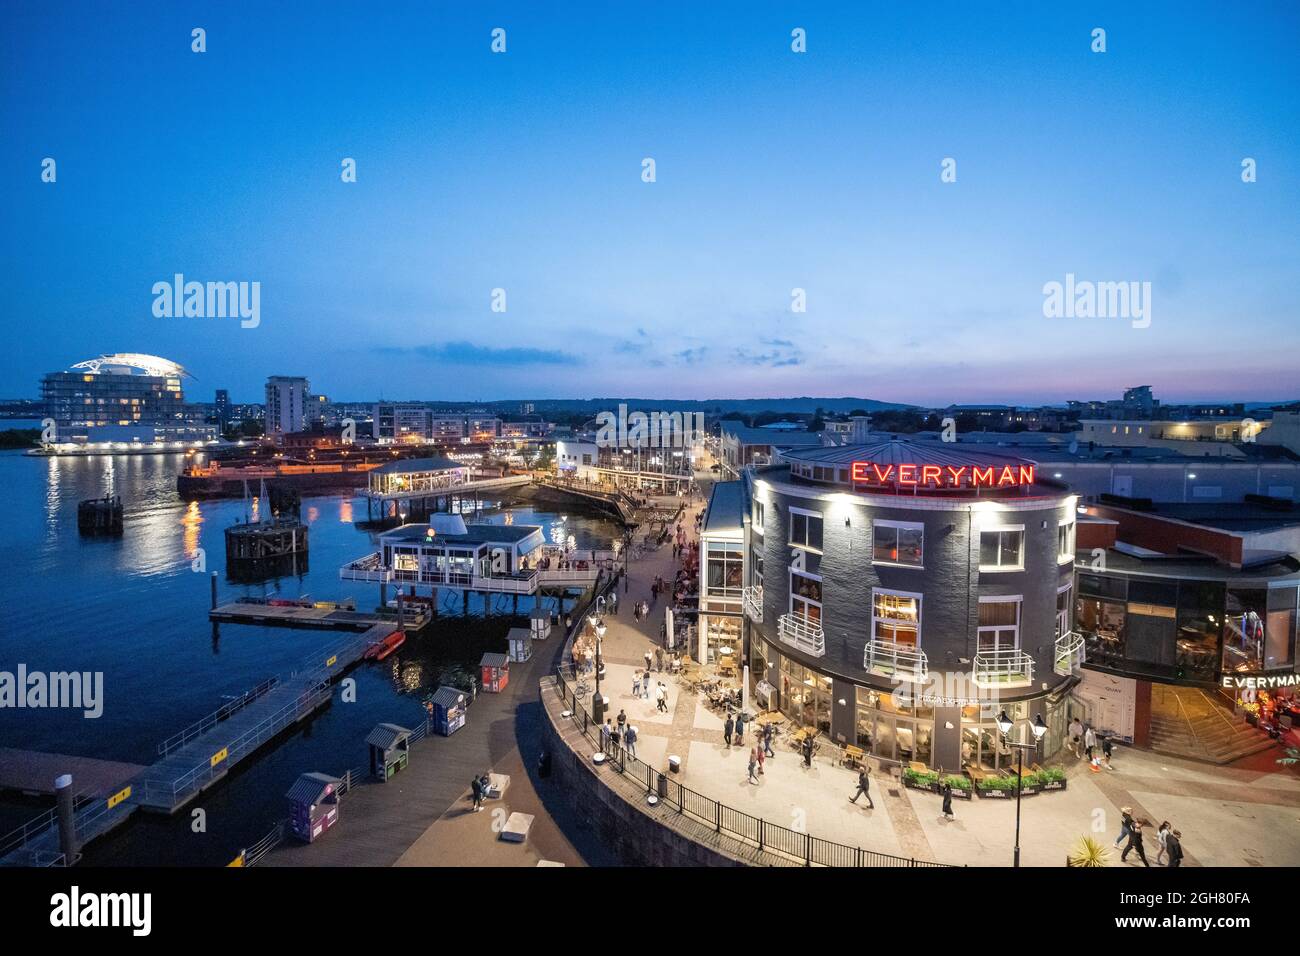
132	608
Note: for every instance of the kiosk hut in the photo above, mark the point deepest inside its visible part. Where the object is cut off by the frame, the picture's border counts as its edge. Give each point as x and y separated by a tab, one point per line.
521	643
313	805
448	710
390	748
495	672
539	622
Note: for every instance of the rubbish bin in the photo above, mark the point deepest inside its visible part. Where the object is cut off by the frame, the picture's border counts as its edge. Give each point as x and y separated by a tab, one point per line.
674	763
663	786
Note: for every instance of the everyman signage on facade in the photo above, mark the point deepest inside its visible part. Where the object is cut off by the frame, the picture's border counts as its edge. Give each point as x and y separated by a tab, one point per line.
943	476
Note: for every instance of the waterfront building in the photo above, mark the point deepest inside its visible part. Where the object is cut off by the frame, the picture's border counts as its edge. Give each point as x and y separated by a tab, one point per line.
1174	596
722	575
741	446
901	594
635	465
447	552
286	404
222	409
123	397
402	423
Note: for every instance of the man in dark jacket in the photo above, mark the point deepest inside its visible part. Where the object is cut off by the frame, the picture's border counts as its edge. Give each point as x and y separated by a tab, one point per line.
727	728
1135	843
1174	847
864	788
476	792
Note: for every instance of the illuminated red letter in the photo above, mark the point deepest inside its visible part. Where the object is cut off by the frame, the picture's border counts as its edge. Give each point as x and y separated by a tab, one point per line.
882	477
1026	474
859	471
930	474
907	474
1008	477
981	476
955	474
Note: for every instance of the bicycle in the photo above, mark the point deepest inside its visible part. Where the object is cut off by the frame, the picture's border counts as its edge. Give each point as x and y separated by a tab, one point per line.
580	689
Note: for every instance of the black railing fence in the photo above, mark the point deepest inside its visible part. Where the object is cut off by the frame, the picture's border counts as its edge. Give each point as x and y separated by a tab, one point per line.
767	836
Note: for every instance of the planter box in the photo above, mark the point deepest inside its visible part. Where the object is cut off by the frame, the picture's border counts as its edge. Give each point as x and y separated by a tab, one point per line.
997	794
937	789
1055	785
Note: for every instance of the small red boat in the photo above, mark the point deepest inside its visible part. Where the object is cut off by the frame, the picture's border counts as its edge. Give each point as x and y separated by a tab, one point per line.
381	649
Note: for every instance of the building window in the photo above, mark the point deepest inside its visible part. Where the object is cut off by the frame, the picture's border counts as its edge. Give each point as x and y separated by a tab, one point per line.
999	624
757	516
897	542
806	596
896	617
1065	540
1064	604
805	529
726	563
1002	549
756	567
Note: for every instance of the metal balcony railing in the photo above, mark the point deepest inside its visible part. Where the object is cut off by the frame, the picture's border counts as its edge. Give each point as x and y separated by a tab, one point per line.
905	662
751	599
1069	654
365	569
802	633
1006	668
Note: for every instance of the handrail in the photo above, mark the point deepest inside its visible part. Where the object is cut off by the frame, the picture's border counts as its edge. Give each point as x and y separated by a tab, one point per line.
889	658
798	631
204	724
1002	668
769	837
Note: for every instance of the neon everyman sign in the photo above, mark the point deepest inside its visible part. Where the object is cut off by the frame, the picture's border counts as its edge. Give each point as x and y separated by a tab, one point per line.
944	476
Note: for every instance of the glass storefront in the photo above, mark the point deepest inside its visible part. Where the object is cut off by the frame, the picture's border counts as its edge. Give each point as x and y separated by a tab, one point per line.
806	696
722	639
893	729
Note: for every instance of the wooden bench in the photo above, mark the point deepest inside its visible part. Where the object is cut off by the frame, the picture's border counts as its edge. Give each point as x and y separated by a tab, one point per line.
854	756
975	773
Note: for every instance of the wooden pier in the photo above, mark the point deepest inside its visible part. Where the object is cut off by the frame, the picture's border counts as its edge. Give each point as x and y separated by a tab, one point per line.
33	772
414	616
205	752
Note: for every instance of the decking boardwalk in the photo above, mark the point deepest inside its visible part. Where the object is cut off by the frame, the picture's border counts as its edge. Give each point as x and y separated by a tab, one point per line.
33	772
200	756
277	615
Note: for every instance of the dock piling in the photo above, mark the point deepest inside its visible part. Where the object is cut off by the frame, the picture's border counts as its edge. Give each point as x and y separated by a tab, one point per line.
67	827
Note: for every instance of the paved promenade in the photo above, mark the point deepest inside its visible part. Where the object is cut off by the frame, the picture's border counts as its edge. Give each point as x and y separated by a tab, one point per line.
1240	815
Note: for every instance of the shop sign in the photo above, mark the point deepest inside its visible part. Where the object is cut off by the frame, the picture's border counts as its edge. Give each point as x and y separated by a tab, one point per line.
943	476
1260	681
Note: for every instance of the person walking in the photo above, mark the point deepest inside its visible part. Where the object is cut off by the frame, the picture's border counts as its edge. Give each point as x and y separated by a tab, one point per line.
613	603
740	728
659	659
1076	737
864	788
636	683
761	757
1090	744
808	746
1135	843
753	764
1106	749
1125	824
727	728
1174	844
1162	838
661	701
947	800
769	737
476	793
629	740
622	720
648	660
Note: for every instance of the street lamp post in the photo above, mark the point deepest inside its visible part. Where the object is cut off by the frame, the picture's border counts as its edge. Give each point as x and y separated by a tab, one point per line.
598	702
1039	728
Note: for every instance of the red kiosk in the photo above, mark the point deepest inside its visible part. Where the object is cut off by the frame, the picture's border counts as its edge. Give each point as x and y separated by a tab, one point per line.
495	672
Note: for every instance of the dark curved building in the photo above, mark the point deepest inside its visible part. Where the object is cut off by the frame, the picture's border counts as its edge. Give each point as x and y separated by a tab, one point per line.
901	594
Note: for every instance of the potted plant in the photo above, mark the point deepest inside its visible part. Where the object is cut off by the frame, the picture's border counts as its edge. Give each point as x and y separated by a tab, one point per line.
997	787
920	780
1053	778
961	786
1088	853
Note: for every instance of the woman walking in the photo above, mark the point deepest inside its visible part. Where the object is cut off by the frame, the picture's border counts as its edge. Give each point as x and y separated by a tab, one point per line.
1162	837
947	800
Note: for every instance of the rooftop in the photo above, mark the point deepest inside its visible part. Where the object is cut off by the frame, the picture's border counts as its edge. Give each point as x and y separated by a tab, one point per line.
474	534
1238	516
406	466
767	436
726	511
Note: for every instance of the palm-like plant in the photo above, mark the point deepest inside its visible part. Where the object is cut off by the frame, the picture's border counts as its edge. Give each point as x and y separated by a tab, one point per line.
1291	759
1088	852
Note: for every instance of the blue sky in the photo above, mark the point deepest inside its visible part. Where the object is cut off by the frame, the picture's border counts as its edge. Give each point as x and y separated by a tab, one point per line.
775	170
